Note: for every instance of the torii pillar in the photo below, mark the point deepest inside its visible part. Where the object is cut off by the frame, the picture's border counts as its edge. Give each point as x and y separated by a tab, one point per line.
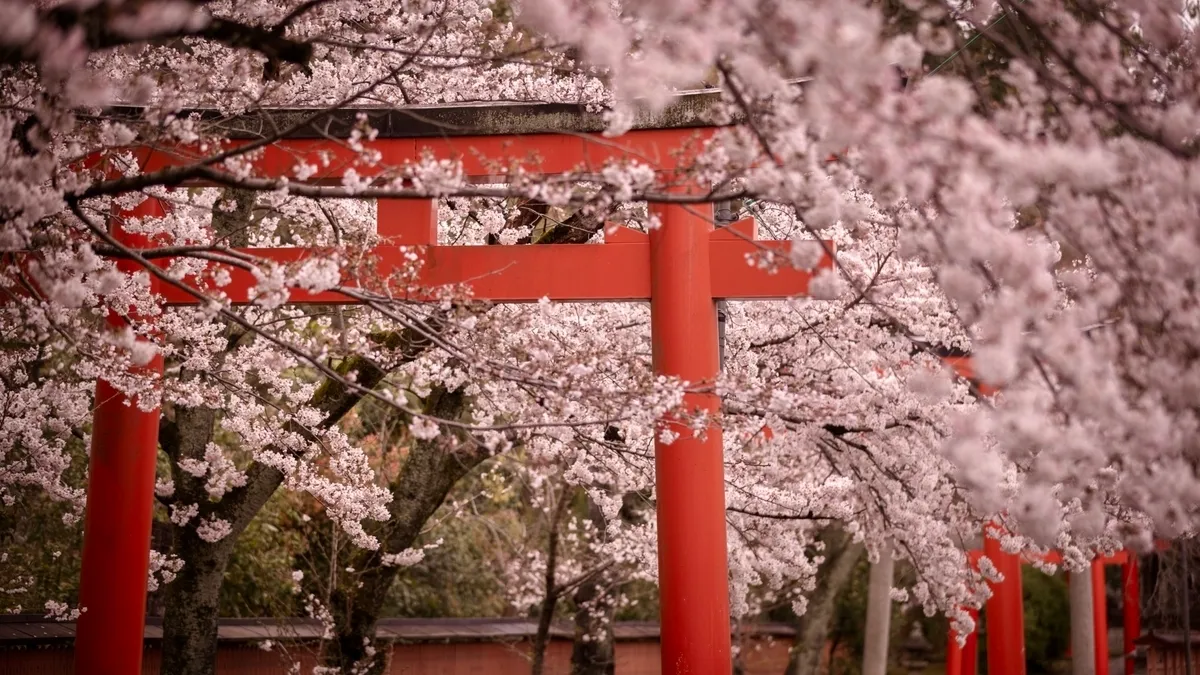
119	512
689	473
1088	608
1005	609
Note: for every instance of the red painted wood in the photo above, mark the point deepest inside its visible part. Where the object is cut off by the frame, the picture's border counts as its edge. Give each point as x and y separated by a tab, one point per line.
962	660
963	368
1100	617
954	654
117	521
1005	611
1131	608
970	651
569	272
689	473
1055	558
1131	604
407	222
680	268
733	278
612	271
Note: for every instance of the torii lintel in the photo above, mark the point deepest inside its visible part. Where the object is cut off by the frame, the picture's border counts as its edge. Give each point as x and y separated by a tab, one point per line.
614	271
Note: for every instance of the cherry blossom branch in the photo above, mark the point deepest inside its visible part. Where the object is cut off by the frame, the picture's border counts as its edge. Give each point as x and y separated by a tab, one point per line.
311	360
1118	110
102	27
202	172
777	516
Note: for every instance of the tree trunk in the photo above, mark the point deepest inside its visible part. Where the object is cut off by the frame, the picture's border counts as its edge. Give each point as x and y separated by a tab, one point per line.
193	597
193	604
428	475
592	652
541	639
430	471
879	615
812	629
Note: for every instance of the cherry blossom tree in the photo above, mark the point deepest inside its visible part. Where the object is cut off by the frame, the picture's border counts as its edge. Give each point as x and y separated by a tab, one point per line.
863	455
1084	111
1025	194
253	397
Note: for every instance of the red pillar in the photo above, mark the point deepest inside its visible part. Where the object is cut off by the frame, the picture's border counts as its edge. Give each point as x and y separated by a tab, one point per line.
1066	577
1005	611
962	660
954	656
689	473
120	507
1100	617
970	651
1131	608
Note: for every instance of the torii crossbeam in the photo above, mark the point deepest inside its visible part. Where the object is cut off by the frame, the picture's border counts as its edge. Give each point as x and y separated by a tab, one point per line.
681	268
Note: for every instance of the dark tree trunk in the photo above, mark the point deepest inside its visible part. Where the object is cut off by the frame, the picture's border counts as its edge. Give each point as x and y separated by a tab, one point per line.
193	606
592	652
812	628
193	598
541	639
430	471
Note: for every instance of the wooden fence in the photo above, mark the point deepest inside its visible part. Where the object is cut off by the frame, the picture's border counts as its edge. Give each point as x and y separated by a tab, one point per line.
35	646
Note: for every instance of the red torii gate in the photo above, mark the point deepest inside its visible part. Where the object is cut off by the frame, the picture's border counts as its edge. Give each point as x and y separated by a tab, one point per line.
1006	638
1005	608
680	268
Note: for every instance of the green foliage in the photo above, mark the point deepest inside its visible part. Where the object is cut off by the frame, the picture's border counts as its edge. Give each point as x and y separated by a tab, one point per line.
461	576
848	632
258	581
39	552
1047	620
41	556
644	596
1047	624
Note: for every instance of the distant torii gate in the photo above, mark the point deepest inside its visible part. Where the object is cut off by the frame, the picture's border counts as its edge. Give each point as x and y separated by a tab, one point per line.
1005	610
680	268
1005	635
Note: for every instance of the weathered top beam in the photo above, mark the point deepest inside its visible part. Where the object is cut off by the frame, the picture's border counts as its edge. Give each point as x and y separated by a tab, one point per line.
689	110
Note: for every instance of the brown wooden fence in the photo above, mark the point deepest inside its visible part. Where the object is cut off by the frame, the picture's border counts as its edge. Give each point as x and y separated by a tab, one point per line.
34	646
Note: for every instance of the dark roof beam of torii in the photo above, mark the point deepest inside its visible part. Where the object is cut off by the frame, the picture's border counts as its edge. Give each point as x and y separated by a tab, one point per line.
689	109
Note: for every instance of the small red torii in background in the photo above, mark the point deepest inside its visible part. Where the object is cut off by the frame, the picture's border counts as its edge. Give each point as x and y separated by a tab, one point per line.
1005	611
681	268
1006	625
